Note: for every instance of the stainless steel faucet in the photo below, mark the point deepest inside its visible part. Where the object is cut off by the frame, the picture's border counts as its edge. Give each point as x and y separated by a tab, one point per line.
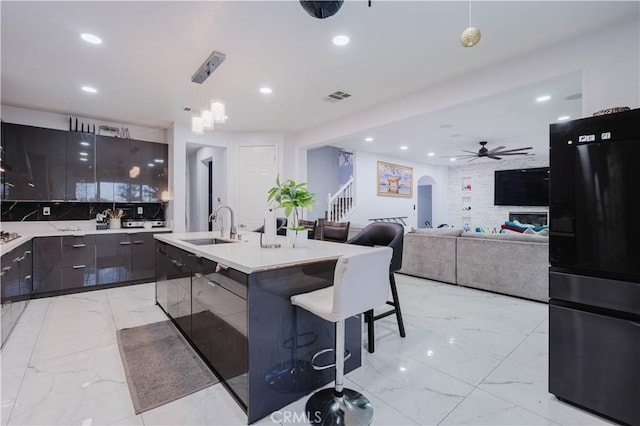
233	233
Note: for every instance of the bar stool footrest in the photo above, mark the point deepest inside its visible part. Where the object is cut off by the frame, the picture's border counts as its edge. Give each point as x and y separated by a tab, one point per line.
315	366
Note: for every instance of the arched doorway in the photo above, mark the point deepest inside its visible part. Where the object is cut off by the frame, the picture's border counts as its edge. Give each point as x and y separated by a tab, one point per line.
425	201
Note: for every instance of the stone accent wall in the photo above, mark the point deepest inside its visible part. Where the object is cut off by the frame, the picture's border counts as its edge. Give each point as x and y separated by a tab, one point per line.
480	175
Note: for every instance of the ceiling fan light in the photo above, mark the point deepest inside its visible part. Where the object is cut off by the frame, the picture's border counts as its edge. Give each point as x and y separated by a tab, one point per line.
470	37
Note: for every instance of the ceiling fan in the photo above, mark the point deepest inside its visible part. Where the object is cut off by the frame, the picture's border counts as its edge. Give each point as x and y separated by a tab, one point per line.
494	154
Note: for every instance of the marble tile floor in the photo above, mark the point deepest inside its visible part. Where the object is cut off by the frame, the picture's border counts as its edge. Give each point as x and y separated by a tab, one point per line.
470	357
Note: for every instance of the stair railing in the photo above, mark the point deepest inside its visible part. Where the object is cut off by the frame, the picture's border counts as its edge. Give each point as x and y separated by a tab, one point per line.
340	204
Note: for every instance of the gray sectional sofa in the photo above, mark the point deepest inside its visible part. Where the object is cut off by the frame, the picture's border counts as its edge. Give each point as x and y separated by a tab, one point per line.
512	264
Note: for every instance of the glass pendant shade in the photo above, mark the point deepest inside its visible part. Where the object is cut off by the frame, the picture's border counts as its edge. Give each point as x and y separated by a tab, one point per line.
197	125
219	111
207	119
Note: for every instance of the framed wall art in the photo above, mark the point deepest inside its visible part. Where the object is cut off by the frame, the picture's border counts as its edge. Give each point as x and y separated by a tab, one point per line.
395	180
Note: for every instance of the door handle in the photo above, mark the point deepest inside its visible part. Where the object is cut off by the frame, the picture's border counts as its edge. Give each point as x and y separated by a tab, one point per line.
79	245
79	266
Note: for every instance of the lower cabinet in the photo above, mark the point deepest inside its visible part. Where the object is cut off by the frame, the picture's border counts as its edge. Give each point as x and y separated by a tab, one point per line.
73	263
16	284
173	286
208	303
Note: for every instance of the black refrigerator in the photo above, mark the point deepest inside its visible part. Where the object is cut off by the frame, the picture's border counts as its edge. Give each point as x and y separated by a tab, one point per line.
594	253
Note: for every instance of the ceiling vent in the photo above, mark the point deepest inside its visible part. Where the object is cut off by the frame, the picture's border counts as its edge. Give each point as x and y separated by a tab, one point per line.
337	96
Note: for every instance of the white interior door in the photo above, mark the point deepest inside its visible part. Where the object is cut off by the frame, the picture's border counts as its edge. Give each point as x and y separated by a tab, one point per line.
257	172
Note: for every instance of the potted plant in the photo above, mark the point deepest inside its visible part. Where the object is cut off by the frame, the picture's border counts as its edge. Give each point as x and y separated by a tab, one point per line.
293	197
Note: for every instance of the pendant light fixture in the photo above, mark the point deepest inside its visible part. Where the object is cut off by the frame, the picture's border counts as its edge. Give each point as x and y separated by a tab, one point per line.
215	112
471	36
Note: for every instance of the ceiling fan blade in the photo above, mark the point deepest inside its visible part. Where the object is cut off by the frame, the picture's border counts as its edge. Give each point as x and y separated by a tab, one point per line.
473	159
515	150
459	156
470	152
512	153
494	157
494	150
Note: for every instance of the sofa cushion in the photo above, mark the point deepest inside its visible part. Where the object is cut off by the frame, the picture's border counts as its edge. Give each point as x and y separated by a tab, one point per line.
516	236
447	232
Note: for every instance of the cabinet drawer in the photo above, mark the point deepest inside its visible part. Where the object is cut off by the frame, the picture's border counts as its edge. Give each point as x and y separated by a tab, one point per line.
78	240
78	276
78	254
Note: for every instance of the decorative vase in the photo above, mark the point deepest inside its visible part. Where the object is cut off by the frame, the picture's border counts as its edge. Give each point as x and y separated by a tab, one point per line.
114	224
298	238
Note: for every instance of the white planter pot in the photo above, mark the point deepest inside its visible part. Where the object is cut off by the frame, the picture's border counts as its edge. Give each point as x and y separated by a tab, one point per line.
114	224
298	239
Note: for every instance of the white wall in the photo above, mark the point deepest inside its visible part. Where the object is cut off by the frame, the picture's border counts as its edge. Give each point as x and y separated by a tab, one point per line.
370	205
322	177
481	176
609	61
50	120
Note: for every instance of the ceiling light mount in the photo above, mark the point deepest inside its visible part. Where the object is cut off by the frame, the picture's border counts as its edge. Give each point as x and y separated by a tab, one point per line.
208	67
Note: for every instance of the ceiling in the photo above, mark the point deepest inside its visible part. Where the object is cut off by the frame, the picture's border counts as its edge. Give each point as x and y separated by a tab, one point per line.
151	49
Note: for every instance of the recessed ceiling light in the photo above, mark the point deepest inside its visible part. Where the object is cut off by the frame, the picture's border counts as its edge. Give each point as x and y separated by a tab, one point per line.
452	159
89	89
403	147
543	98
368	139
341	40
563	118
266	90
90	38
431	154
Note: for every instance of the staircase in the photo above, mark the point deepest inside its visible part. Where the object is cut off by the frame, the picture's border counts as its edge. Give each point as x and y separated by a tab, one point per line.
342	203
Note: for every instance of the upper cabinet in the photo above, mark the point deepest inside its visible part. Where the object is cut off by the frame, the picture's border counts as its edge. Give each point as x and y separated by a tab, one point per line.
81	167
46	164
33	163
112	169
148	177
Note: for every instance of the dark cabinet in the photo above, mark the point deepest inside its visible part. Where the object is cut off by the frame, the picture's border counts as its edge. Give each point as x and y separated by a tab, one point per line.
113	258
149	162
173	286
112	169
46	164
78	262
80	167
142	256
15	281
47	254
33	163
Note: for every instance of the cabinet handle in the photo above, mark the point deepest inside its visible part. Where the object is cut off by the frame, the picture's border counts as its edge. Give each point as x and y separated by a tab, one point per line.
26	253
199	275
79	266
6	268
125	243
192	255
79	245
138	242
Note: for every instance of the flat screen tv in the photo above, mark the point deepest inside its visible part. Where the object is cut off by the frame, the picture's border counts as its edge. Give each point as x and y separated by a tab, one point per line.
522	187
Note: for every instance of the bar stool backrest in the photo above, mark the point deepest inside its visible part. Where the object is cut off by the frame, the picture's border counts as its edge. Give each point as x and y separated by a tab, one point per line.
361	282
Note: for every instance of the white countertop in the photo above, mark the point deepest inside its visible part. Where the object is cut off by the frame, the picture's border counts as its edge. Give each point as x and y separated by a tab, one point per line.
247	256
26	236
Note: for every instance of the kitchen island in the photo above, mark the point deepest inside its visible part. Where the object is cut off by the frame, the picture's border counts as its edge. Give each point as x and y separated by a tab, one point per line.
230	299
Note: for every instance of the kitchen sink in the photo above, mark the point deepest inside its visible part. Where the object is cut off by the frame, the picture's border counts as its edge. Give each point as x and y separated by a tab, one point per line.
205	241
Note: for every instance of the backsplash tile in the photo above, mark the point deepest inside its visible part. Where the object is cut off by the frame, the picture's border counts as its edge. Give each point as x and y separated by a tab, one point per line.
19	211
23	211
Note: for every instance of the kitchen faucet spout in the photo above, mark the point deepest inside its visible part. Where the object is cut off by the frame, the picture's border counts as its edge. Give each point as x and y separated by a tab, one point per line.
233	233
